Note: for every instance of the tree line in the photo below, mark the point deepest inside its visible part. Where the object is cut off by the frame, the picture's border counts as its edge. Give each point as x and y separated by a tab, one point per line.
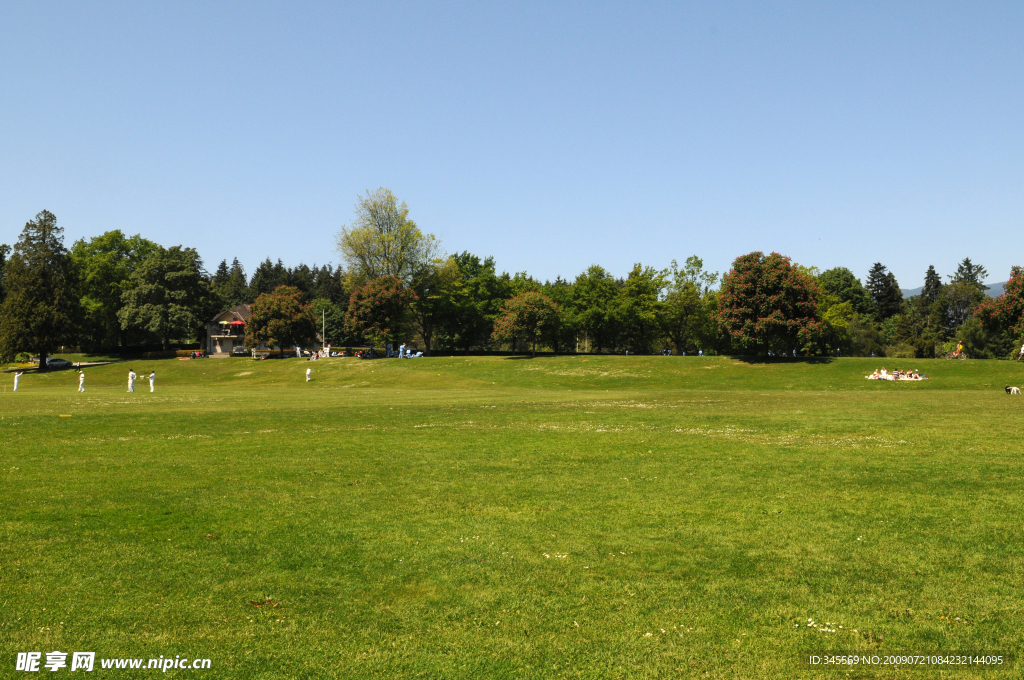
114	291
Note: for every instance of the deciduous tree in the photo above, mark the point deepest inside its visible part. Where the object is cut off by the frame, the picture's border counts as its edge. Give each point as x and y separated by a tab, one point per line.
379	310
685	314
280	319
1005	312
639	306
168	296
768	305
530	316
592	306
105	264
383	241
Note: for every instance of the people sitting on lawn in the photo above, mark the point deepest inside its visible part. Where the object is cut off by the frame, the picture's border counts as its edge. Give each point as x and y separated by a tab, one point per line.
896	374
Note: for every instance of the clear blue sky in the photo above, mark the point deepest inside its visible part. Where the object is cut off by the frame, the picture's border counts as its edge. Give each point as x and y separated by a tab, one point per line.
551	136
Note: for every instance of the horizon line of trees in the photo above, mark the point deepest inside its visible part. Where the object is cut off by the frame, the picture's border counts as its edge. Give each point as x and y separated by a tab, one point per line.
115	291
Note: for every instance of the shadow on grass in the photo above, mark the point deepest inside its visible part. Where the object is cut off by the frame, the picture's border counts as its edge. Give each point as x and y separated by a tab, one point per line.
783	360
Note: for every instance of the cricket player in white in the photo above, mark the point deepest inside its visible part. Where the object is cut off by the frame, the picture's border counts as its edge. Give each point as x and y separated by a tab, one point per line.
81	381
131	380
16	376
152	381
309	371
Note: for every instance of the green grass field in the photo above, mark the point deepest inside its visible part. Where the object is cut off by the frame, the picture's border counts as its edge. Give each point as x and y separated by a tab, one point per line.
597	517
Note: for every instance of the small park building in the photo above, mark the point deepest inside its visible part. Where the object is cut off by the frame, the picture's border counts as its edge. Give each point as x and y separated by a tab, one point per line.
226	331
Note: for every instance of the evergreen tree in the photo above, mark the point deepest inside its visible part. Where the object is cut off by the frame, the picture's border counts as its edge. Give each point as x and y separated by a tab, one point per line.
301	277
932	287
885	292
41	309
329	284
4	252
229	283
267	277
971	274
237	290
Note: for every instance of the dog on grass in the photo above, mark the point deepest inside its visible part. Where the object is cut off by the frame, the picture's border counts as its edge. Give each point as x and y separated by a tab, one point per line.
1012	390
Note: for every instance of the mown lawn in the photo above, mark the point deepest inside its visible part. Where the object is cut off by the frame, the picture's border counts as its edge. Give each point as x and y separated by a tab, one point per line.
597	517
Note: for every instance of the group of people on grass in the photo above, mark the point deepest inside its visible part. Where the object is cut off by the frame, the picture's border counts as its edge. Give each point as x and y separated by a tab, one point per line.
896	374
132	376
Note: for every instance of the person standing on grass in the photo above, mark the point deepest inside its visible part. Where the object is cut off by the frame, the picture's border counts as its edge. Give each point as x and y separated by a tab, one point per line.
152	381
309	374
17	375
1021	355
81	380
131	380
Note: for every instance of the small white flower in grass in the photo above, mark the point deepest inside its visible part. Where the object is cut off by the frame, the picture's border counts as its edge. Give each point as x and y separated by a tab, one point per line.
647	635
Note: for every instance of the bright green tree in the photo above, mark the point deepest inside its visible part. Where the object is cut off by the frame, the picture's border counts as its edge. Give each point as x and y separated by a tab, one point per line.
104	264
841	283
383	241
685	314
592	307
41	309
639	307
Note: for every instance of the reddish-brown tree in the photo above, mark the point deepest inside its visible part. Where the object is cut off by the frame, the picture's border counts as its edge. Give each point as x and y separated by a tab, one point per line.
380	310
1005	312
530	316
769	305
279	319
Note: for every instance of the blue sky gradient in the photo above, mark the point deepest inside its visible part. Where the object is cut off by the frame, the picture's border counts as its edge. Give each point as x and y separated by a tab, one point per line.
551	136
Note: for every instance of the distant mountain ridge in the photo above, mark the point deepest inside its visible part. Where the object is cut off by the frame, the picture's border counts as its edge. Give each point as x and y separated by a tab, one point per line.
994	290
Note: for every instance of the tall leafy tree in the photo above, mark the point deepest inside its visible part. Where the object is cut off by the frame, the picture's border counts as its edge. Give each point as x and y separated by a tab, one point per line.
530	316
685	313
41	309
592	307
168	296
841	283
280	319
383	241
434	285
379	310
885	292
1006	312
639	306
768	305
955	304
475	300
105	264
